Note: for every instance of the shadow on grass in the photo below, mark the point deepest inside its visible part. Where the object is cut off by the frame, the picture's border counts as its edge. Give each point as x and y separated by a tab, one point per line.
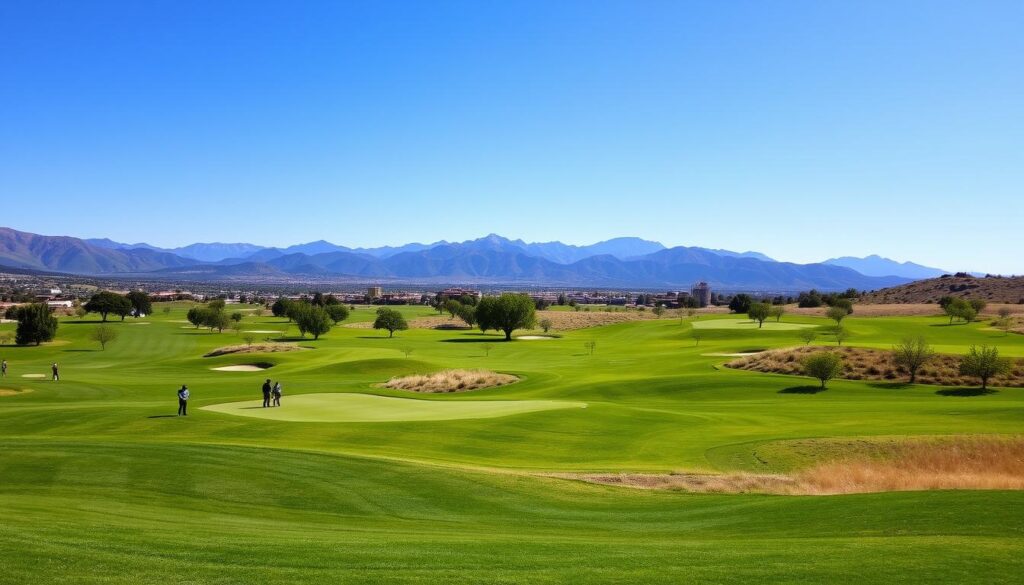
493	339
163	416
966	391
890	385
802	390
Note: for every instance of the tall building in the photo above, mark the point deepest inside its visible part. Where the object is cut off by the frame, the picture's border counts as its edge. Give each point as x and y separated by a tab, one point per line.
375	292
702	292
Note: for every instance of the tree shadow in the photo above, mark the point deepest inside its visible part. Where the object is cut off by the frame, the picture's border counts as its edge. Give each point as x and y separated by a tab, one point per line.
478	340
163	416
802	390
79	350
890	385
966	391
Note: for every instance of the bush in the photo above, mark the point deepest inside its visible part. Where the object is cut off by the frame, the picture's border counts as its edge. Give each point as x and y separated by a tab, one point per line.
823	365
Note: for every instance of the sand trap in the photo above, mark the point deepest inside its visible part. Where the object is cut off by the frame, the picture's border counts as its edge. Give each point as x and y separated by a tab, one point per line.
140	323
262	331
13	392
33	375
748	324
346	407
241	368
535	337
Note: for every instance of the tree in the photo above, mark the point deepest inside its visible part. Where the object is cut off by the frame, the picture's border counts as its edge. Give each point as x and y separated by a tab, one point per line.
590	346
249	339
391	320
236	317
697	335
759	312
280	307
337	312
911	354
217	304
777	311
197	316
1004	312
106	302
313	319
978	305
487	347
658	311
956	309
167	310
841	334
141	305
506	313
36	324
236	327
452	307
468	314
103	334
407	351
823	365
984	363
837	314
808	335
216	320
545	324
741	303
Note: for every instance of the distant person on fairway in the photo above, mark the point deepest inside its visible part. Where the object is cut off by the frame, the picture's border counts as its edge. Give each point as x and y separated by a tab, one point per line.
277	394
266	393
183	395
56	372
3	368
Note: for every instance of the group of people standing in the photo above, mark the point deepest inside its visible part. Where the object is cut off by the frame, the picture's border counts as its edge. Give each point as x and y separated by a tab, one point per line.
271	394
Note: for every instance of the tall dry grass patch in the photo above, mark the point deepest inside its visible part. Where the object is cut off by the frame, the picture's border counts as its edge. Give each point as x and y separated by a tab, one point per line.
450	381
955	463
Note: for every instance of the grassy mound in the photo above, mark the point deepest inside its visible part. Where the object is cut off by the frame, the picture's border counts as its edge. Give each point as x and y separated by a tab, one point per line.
873	364
450	381
254	348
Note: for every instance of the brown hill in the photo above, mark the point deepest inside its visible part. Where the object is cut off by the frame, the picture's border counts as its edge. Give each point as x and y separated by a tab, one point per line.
995	289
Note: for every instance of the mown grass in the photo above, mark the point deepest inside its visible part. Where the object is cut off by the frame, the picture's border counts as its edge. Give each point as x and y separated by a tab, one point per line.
102	484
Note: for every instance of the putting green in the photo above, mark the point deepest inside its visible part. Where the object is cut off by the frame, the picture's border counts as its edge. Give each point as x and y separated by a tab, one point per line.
346	407
748	324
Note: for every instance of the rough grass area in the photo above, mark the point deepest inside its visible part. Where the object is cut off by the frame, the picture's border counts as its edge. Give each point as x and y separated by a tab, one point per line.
450	381
965	463
254	348
869	309
873	364
994	289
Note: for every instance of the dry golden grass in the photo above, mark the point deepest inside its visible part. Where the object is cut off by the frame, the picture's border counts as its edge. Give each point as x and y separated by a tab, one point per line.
873	364
450	381
13	391
953	463
993	290
254	348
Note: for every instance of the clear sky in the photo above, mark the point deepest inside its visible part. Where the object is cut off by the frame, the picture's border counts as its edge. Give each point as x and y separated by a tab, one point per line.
801	129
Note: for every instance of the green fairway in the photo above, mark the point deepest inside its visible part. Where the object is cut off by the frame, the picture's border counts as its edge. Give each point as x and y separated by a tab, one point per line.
348	482
370	408
748	324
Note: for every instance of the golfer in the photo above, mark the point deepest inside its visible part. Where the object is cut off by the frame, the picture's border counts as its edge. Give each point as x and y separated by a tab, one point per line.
277	394
266	393
183	395
56	372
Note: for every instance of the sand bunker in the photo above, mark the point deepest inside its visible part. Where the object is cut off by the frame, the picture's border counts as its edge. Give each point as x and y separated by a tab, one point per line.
535	337
13	391
262	331
243	368
367	408
33	375
450	381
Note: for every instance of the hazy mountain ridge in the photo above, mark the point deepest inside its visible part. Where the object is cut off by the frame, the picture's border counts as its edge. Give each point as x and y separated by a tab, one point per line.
619	262
875	265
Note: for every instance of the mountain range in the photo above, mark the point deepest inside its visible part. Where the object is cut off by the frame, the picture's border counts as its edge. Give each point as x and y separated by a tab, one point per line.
619	262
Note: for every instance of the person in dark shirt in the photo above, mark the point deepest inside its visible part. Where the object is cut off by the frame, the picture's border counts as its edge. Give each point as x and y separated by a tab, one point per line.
277	394
183	395
266	393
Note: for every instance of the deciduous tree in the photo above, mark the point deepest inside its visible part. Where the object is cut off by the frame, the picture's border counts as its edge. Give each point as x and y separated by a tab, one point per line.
823	365
911	353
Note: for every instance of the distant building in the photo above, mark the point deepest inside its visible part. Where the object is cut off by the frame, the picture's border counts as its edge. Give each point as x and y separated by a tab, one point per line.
702	292
375	292
455	293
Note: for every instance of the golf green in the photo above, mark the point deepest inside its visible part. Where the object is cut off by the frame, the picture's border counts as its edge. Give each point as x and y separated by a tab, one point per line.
346	407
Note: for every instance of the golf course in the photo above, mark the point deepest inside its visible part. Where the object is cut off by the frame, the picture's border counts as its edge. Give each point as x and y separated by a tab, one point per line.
351	482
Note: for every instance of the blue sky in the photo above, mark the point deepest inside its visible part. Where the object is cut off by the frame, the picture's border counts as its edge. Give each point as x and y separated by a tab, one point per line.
803	130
